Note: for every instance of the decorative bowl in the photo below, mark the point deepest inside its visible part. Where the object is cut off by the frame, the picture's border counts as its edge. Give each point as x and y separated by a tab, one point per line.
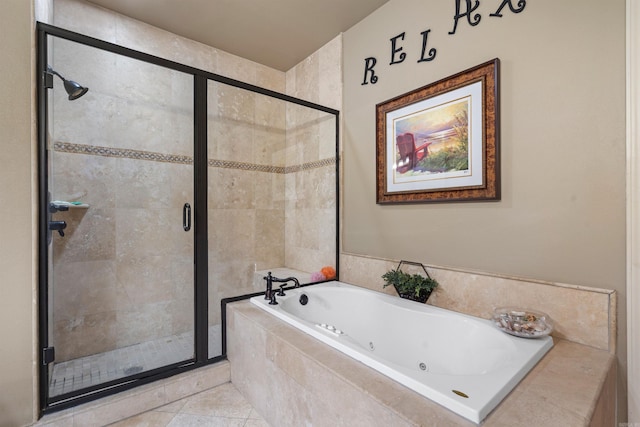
522	323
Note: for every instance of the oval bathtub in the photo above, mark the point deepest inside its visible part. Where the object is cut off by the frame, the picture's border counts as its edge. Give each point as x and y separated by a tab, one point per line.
459	361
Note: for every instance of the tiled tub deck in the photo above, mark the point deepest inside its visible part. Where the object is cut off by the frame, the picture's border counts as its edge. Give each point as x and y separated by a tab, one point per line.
293	379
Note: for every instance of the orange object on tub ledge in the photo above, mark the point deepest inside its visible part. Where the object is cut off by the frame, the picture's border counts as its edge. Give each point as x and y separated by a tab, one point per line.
328	272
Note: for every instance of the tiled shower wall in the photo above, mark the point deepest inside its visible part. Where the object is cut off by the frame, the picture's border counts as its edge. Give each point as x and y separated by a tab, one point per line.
272	191
271	182
311	194
123	272
246	133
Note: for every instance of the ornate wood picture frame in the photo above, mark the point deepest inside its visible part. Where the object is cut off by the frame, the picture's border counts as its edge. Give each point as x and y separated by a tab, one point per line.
440	142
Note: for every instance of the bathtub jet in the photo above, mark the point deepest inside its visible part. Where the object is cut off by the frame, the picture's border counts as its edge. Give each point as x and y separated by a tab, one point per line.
412	343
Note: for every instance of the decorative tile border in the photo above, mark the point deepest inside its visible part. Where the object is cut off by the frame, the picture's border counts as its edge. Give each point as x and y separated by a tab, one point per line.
311	165
228	164
67	147
126	153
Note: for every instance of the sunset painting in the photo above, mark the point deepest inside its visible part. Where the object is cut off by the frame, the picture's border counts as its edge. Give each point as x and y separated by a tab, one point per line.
433	141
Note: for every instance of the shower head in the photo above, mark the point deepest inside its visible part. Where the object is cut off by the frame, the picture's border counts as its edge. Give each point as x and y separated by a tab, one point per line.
74	90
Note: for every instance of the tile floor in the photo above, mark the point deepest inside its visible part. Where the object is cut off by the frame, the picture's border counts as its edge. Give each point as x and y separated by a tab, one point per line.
111	365
222	406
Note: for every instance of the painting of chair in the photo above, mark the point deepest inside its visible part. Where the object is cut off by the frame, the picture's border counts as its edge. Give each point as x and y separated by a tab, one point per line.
410	155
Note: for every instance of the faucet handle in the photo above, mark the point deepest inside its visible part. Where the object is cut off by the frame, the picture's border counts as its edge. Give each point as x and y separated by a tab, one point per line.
58	226
281	291
272	300
57	207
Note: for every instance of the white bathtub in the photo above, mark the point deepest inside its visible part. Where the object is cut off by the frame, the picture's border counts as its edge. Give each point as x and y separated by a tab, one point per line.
459	361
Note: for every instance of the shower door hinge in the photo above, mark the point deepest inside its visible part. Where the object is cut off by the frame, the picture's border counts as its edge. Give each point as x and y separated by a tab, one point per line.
48	355
48	80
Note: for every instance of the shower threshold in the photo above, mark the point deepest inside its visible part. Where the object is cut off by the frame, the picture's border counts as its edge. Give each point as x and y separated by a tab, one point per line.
83	372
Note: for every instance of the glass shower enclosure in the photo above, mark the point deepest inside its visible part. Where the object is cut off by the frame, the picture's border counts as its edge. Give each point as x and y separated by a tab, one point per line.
120	241
165	190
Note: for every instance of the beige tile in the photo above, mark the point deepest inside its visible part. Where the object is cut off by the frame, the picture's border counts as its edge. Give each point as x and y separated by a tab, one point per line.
153	185
251	422
235	67
189	420
238	105
232	189
237	274
195	54
81	177
84	18
56	420
197	381
327	141
229	140
121	408
222	401
90	235
254	415
269	191
583	315
306	78
143	323
84	287
146	38
151	232
85	335
577	362
330	74
231	233
146	279
147	419
173	407
269	78
270	116
549	416
247	365
125	407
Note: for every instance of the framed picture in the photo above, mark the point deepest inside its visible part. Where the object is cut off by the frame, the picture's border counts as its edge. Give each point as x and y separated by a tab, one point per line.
440	142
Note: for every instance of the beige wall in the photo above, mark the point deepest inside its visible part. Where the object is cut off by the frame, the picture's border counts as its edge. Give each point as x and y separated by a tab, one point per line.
562	213
17	213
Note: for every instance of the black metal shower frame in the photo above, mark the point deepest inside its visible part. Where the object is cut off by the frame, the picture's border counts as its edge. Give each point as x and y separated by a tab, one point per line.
200	165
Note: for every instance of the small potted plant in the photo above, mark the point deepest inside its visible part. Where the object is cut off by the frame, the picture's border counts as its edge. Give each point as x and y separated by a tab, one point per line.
410	286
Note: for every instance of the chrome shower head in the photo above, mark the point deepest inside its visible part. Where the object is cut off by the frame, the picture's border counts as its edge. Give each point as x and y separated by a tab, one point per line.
74	89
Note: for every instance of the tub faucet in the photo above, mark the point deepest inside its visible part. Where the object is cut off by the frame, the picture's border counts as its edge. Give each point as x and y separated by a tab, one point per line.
270	292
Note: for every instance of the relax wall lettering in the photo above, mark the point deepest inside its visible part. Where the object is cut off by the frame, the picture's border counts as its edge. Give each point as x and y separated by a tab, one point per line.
464	9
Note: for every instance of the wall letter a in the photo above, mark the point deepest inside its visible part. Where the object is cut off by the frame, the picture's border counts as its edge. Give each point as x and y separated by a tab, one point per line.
473	22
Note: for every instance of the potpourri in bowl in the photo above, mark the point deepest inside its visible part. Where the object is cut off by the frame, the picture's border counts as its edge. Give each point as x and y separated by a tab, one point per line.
522	322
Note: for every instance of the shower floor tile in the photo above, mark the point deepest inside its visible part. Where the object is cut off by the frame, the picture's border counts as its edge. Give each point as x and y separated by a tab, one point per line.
96	369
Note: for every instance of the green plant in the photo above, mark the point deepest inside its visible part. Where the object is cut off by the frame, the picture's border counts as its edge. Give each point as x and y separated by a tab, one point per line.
406	283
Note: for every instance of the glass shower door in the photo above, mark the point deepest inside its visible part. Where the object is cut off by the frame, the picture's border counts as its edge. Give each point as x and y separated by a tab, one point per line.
121	254
272	194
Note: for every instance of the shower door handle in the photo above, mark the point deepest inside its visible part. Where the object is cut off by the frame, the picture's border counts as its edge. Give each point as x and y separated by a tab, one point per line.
186	217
